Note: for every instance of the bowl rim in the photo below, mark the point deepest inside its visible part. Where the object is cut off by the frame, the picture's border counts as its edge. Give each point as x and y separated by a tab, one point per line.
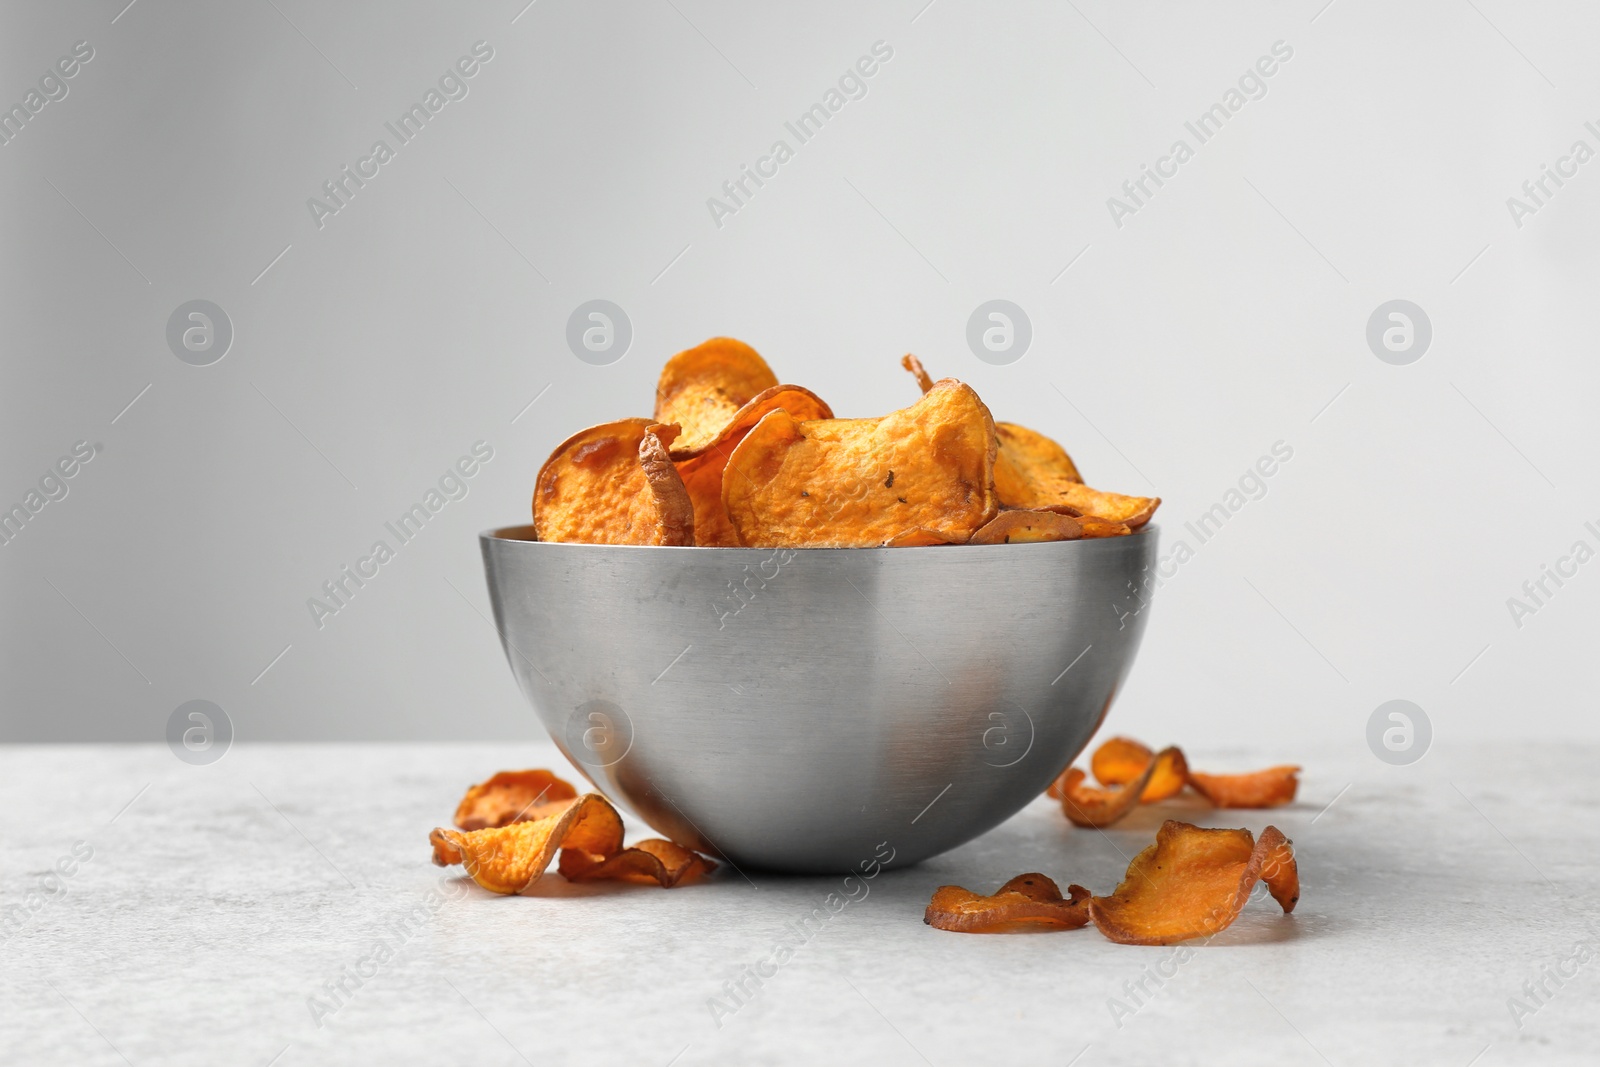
504	534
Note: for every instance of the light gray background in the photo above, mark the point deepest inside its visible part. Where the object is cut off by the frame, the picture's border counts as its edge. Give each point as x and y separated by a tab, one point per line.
1228	314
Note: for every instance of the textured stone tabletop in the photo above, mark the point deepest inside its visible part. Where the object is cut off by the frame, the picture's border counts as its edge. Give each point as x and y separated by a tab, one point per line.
209	911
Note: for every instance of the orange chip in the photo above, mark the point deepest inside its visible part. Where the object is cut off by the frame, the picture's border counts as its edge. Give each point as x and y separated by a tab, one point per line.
509	797
1086	805
1122	760
702	388
1270	788
1193	883
613	484
1029	468
1018	527
1074	497
511	859
863	483
663	862
702	473
1027	898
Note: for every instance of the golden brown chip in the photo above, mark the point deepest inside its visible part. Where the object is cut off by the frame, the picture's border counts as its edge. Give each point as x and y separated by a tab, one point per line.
1193	883
1086	805
702	474
1026	899
703	387
510	859
1270	788
862	483
1097	527
1075	497
662	862
612	484
1122	760
509	797
1035	469
1017	527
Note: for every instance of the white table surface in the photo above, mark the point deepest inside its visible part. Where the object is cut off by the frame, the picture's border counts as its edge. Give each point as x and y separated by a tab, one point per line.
219	899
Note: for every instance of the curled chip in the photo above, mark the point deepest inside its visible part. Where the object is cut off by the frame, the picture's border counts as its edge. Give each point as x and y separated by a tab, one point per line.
660	861
1122	760
511	859
509	797
1027	898
1086	805
1193	883
702	388
702	473
613	484
1017	527
863	483
1078	499
1270	788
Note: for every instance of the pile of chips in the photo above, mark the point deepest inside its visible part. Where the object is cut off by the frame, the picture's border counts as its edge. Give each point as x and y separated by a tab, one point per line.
1192	882
733	458
1130	774
510	827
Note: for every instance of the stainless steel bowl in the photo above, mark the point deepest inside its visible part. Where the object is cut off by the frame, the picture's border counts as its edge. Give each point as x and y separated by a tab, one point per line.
818	710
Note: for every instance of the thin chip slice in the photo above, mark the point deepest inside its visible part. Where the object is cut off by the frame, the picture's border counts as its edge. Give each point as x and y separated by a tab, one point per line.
1030	469
1193	883
1031	899
1122	759
1270	788
1017	527
1131	511
862	483
613	485
1087	805
701	388
664	863
509	797
1097	527
511	859
702	473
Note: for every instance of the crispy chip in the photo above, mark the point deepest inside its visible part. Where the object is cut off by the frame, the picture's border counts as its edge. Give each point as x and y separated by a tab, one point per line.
702	388
663	862
1035	468
1017	527
613	484
509	797
1027	898
511	859
1086	805
1122	759
861	483
702	473
1033	472
1098	527
1270	788
1193	883
1077	498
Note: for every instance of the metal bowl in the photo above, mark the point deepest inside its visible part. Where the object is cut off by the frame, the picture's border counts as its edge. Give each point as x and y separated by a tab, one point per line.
820	710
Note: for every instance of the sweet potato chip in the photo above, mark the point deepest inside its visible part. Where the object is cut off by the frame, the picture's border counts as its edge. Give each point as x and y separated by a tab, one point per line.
703	387
1193	883
510	859
918	371
702	473
1077	498
1270	788
862	483
613	484
509	797
1026	899
1097	527
1086	805
663	862
1122	760
1017	527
